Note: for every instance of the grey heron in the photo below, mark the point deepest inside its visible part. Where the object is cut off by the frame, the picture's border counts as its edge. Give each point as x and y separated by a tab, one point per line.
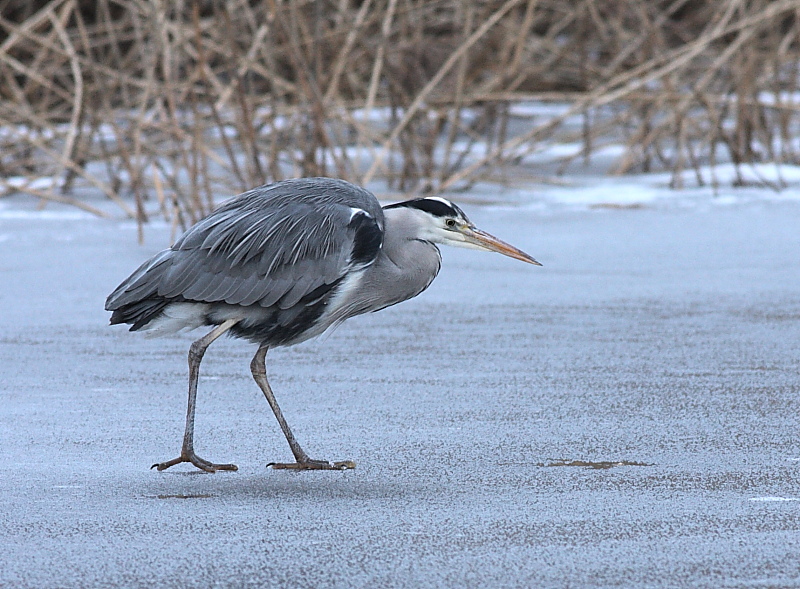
284	262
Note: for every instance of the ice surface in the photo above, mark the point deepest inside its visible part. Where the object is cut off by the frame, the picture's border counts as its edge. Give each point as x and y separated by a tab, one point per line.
666	335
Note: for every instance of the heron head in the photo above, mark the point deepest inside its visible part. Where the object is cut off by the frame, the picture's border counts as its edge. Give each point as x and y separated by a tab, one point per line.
441	221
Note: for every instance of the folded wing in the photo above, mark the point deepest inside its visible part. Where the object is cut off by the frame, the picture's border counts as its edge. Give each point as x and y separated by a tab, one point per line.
281	245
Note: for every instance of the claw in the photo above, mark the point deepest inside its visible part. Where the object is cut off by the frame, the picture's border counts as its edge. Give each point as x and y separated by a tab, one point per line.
313	465
200	463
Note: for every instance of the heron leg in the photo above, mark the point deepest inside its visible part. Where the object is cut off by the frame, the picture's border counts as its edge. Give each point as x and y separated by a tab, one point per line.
303	462
196	352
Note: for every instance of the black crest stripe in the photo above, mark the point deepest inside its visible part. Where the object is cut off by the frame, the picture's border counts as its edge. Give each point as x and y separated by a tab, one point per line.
434	206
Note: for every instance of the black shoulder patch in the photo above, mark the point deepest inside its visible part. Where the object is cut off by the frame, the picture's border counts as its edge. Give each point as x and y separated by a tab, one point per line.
367	238
433	206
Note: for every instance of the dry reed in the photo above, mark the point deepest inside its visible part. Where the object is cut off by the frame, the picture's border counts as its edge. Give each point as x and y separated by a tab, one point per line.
165	105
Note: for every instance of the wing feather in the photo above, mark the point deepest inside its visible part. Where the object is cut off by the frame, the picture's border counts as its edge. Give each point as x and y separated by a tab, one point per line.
272	245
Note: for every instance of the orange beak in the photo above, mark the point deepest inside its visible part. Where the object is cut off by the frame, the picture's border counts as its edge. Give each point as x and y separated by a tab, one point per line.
486	241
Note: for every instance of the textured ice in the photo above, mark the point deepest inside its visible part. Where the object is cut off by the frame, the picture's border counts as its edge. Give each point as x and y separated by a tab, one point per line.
665	337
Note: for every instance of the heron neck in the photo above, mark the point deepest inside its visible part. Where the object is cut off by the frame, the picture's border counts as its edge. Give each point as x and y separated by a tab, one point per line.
407	264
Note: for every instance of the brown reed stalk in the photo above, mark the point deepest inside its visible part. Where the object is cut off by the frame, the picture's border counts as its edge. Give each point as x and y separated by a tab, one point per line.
184	102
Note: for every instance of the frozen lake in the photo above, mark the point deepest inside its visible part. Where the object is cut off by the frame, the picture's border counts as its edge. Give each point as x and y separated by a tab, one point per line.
663	338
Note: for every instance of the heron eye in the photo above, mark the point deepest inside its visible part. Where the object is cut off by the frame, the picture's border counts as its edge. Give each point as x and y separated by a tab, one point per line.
450	223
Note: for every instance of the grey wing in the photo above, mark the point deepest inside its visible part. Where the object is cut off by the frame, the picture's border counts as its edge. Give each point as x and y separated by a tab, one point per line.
282	244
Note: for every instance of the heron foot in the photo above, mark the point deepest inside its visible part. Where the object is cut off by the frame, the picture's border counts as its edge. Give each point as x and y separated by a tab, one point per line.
200	463
313	465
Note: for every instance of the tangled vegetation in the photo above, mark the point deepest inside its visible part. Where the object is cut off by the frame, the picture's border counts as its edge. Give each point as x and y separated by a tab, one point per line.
176	102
